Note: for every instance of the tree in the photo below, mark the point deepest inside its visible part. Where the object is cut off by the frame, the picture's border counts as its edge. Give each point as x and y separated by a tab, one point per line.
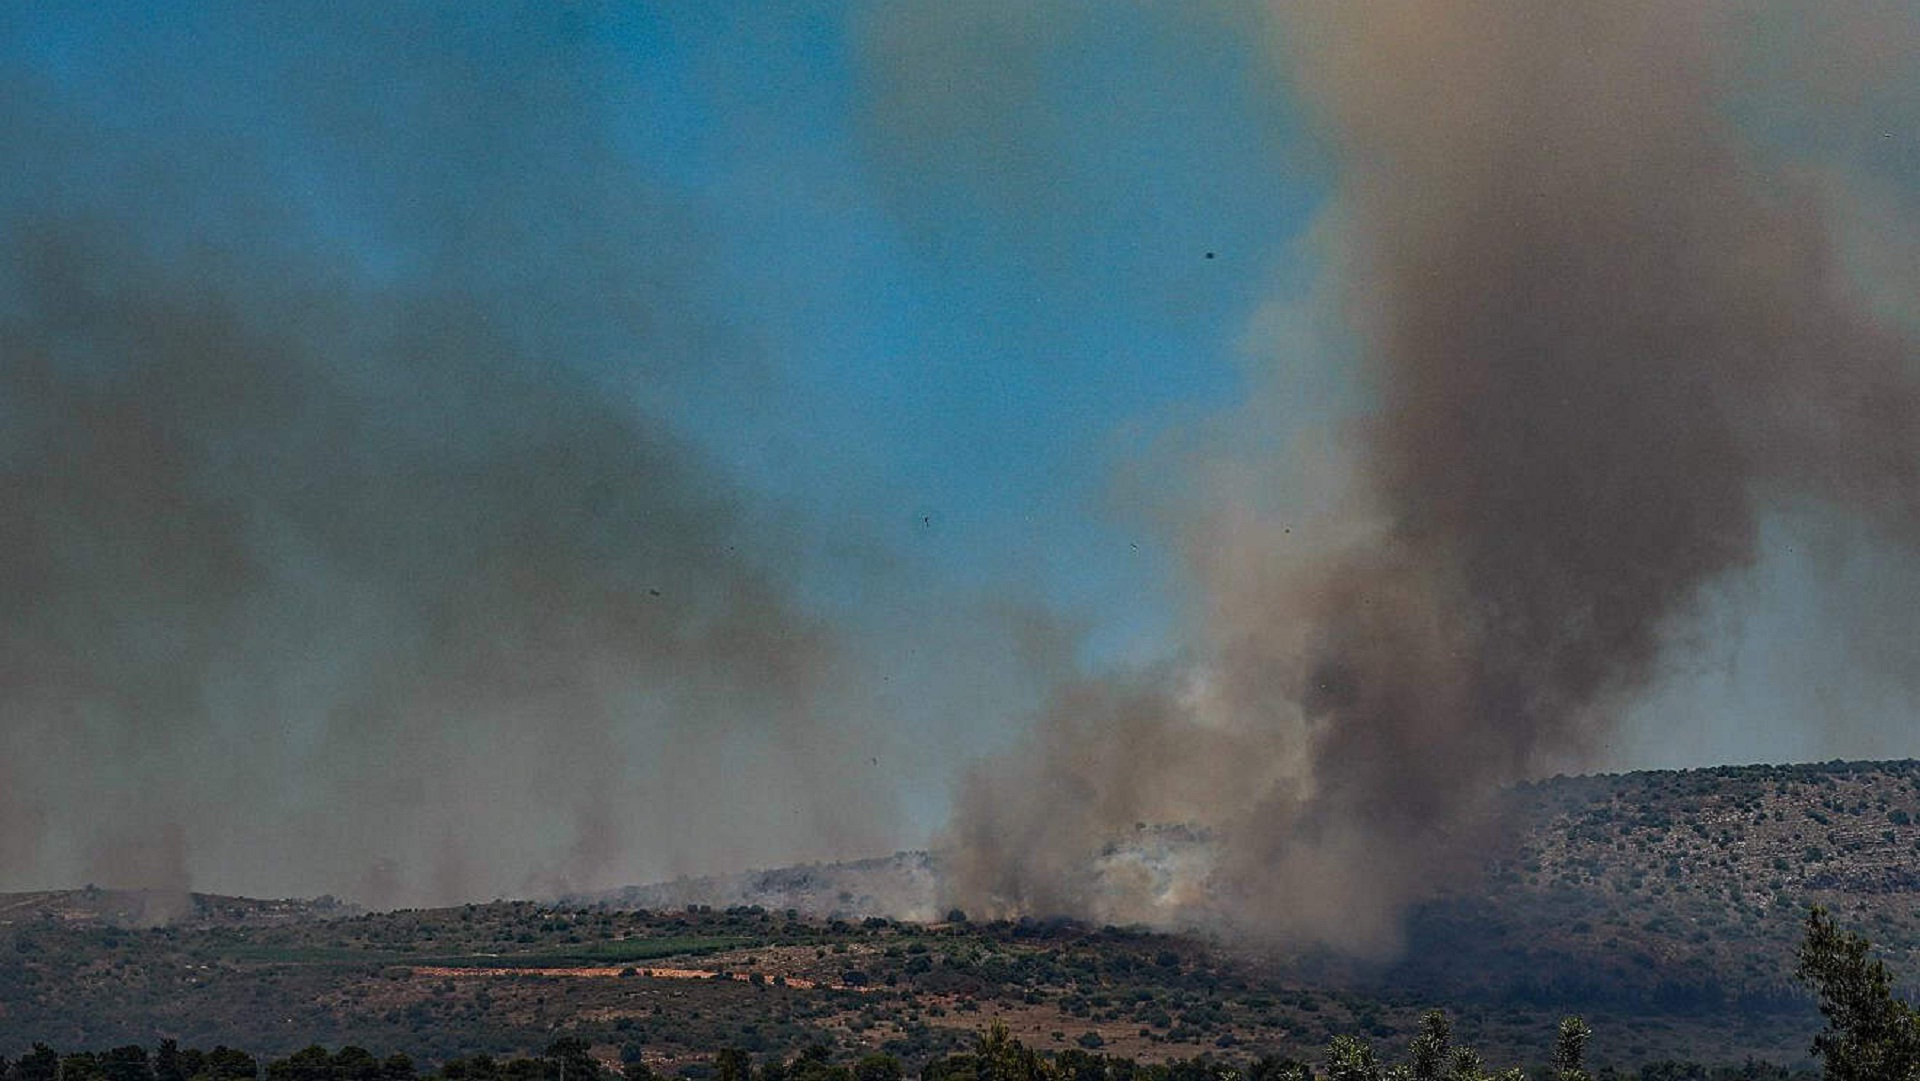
573	1059
352	1063
732	1064
310	1063
227	1064
1870	1035
1003	1058
1431	1047
1270	1068
814	1063
40	1064
479	1067
1570	1050
1350	1058
127	1063
81	1066
1465	1065
167	1063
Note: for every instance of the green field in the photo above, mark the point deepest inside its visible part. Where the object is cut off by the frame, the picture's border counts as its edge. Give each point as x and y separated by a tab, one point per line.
593	954
625	952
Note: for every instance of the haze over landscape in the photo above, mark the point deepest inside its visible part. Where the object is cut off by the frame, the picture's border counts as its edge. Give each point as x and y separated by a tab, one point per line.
453	453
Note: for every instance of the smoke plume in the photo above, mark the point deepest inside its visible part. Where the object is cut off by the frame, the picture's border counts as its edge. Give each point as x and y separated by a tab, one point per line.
363	525
344	545
1604	329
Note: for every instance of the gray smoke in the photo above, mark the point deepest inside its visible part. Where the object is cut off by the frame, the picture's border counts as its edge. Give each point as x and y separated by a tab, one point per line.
1604	329
345	544
350	539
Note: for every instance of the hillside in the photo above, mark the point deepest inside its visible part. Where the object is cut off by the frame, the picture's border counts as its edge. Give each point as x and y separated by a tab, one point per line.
1679	891
1663	906
94	906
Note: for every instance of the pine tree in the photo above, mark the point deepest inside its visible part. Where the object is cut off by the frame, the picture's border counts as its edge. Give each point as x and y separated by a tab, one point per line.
1570	1050
1431	1047
1870	1035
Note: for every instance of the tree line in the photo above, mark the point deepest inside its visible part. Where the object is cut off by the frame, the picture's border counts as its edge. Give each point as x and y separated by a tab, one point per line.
995	1056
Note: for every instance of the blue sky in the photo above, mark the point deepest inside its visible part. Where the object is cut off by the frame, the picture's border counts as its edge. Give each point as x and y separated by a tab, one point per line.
943	351
958	346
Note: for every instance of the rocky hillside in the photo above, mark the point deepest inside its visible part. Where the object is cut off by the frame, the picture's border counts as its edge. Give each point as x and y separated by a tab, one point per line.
1679	890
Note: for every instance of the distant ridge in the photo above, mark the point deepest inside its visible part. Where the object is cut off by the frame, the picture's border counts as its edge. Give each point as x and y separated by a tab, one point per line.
97	906
1629	877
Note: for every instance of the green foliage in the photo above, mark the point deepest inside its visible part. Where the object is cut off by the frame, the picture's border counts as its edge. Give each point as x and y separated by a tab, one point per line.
1871	1035
573	1060
816	1064
40	1064
878	1068
1279	1069
167	1063
1432	1047
1433	1057
479	1067
1570	1050
1003	1058
224	1063
313	1063
81	1066
352	1063
998	1056
1350	1058
1693	1071
128	1063
1464	1065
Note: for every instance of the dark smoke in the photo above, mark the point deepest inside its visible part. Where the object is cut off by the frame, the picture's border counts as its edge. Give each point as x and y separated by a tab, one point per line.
1604	331
345	544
